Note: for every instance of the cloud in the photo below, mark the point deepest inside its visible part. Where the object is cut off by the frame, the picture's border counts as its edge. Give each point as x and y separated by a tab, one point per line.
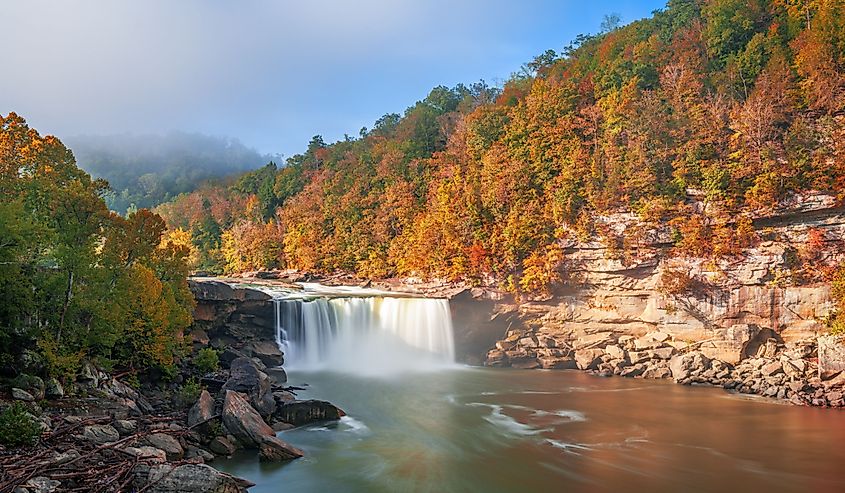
270	72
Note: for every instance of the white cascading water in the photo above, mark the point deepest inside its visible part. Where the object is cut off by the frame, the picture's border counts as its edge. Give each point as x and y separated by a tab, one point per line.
362	331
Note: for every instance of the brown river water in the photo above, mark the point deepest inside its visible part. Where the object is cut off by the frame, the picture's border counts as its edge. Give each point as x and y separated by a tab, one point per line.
473	429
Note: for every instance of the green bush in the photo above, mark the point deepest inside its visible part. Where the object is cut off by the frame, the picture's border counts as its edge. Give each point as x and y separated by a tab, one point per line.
18	427
188	393
207	360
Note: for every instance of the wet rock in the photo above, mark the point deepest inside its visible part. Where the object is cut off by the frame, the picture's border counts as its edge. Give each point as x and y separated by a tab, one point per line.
22	395
168	443
588	359
299	413
273	449
222	446
267	351
831	356
632	371
557	363
277	375
242	421
187	478
202	410
193	452
246	378
125	426
524	363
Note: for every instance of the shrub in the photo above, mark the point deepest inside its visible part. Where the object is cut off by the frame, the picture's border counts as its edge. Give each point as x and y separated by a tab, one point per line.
189	393
18	427
207	360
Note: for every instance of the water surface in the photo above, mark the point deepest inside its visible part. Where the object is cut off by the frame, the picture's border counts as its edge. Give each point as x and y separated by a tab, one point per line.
469	429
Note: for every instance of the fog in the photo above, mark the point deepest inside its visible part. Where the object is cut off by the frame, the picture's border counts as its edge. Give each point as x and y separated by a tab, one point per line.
272	73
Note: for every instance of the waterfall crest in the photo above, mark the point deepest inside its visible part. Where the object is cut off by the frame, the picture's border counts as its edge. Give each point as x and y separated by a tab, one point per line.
362	331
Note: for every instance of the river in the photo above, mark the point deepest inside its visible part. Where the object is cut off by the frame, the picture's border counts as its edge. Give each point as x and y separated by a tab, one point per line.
472	429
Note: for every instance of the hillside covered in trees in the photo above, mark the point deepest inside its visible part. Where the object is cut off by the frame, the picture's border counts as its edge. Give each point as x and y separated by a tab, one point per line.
735	103
146	170
78	282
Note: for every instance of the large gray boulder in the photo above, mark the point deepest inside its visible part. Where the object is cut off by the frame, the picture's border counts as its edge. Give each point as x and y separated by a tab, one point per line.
300	413
202	410
246	378
187	478
272	449
170	445
267	351
243	422
100	434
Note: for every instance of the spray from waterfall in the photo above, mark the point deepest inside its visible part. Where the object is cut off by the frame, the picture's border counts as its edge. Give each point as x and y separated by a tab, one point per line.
355	331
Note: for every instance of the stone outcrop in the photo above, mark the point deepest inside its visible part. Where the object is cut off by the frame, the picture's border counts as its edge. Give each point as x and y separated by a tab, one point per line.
242	421
245	377
299	413
187	478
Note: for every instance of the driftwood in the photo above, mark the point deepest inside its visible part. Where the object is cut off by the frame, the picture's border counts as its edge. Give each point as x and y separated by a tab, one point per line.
98	469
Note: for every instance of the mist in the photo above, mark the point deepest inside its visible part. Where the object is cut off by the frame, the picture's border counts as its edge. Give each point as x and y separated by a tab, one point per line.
145	170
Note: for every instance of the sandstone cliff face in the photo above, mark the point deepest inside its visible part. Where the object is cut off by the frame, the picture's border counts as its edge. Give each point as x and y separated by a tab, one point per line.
744	312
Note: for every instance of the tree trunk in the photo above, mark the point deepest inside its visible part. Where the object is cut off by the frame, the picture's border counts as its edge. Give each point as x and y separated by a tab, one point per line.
68	296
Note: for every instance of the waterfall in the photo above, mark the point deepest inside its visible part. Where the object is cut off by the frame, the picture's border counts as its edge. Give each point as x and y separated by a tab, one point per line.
377	334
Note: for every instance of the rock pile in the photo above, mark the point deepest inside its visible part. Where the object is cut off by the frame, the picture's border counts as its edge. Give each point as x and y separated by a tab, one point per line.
743	359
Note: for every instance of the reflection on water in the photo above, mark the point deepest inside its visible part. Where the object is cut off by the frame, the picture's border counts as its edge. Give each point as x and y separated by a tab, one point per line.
510	430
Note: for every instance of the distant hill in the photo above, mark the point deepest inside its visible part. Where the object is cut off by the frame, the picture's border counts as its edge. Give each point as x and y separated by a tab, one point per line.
146	170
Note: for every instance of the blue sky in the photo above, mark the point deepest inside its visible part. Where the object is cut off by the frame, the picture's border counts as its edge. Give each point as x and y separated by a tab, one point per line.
270	73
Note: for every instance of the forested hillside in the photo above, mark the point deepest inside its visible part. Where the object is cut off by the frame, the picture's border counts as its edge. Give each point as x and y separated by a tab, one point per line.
76	280
146	170
734	103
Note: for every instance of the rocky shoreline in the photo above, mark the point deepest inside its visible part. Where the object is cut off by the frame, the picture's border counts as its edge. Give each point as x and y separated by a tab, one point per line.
159	434
744	359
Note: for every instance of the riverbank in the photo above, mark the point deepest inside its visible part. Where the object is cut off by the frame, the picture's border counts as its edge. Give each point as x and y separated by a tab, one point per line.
155	432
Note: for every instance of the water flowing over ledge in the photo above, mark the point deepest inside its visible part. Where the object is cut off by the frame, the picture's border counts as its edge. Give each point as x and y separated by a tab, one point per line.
363	331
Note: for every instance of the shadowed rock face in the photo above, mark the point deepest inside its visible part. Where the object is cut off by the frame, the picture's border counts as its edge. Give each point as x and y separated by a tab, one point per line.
299	413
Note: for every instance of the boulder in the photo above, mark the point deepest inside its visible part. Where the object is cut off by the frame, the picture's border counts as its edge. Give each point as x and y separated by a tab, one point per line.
831	356
187	478
557	363
222	446
168	443
599	339
615	351
734	344
199	337
277	375
100	434
242	421
246	378
147	452
683	365
644	343
662	353
202	410
588	359
53	389
299	413
125	426
524	363
32	385
772	368
192	452
22	395
272	449
639	356
267	351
